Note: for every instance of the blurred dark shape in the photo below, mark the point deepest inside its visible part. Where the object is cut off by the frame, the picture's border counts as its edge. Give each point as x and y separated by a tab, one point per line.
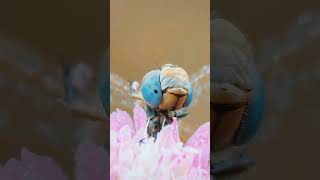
33	112
77	79
286	45
34	35
285	71
91	163
237	97
31	167
104	85
302	30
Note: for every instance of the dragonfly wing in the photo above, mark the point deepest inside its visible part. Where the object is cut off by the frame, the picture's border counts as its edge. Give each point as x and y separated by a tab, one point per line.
120	93
200	81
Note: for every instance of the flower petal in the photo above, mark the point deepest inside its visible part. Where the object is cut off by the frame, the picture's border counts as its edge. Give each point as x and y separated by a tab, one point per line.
124	134
140	117
169	135
201	140
166	158
120	118
175	130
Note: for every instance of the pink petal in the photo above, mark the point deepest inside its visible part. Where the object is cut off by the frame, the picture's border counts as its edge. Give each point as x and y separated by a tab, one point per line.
140	134
175	130
201	140
120	118
113	174
169	135
125	134
140	117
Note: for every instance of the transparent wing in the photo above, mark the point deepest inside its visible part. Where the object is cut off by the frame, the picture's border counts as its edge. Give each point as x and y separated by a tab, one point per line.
120	93
200	81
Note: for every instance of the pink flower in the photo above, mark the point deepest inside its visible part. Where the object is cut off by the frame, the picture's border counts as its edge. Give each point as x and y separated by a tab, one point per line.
167	158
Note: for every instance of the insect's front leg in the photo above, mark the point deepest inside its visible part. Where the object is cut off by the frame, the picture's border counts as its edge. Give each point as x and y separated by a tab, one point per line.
154	126
150	130
153	122
180	113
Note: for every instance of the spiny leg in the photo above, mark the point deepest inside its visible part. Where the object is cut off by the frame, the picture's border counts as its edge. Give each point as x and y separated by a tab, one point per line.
163	123
151	114
146	133
152	128
155	127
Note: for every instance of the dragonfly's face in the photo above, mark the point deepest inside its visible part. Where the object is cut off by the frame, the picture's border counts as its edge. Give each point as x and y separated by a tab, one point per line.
167	89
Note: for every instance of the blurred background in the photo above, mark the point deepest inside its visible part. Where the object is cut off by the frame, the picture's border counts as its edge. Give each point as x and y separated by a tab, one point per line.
50	103
285	39
146	34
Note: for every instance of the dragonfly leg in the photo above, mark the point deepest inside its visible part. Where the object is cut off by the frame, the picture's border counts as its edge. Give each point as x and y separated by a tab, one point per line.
155	135
142	141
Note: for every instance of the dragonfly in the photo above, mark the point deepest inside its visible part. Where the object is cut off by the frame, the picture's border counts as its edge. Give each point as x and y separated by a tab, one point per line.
122	95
